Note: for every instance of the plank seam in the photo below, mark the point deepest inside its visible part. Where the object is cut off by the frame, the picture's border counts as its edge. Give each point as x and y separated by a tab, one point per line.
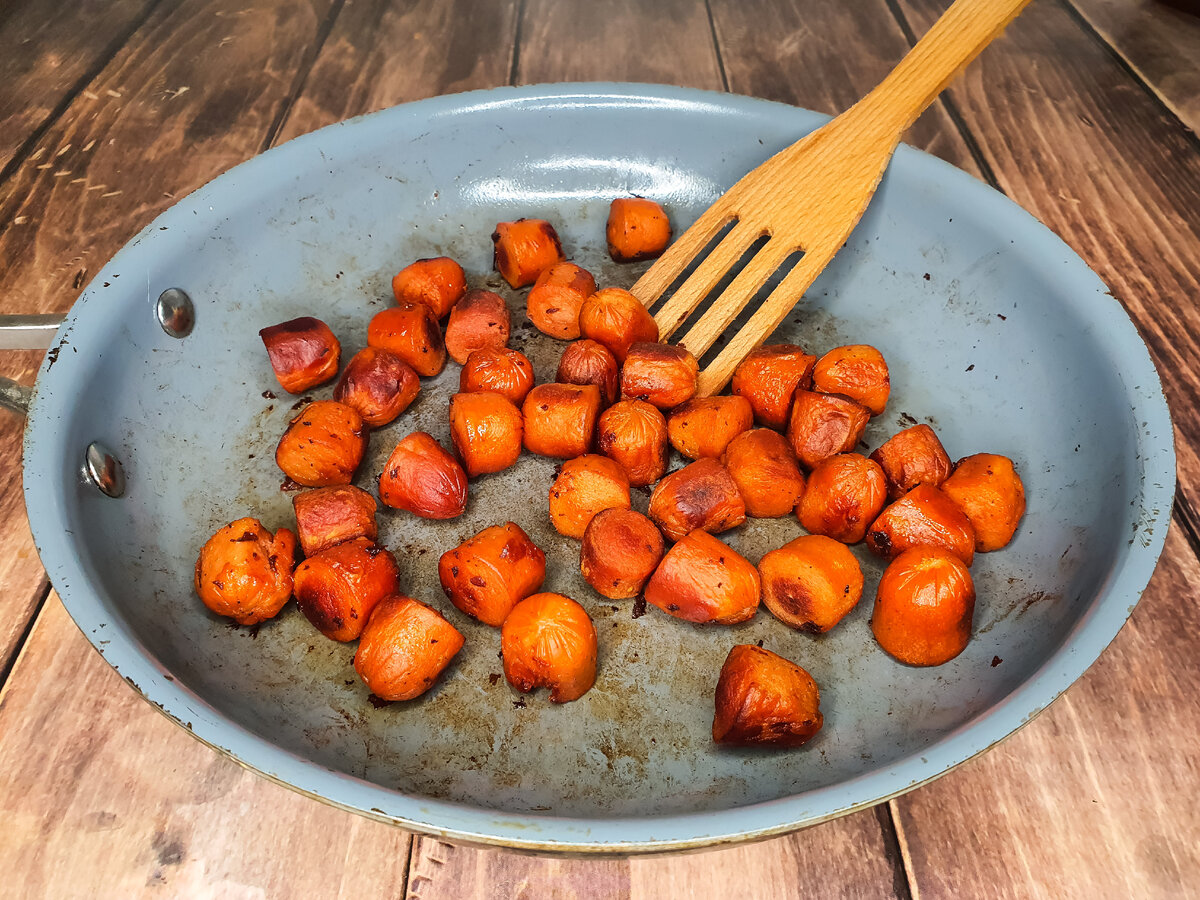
896	851
413	840
1188	521
23	638
71	95
301	76
515	62
1085	24
712	27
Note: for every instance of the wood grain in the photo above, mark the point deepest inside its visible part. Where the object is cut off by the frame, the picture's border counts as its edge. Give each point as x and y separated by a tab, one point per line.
1160	42
101	796
1096	798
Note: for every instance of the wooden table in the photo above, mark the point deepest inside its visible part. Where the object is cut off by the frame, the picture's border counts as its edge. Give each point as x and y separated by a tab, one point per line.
1081	114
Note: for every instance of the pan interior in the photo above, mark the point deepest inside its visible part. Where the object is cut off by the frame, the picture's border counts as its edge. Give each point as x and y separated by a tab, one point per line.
987	341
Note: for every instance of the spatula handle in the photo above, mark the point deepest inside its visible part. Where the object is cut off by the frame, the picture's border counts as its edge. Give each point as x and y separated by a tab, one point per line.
954	40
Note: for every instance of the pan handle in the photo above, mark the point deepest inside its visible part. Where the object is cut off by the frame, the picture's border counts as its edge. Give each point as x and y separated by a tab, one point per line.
24	333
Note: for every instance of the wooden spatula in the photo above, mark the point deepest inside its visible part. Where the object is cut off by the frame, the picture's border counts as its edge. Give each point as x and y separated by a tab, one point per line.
807	198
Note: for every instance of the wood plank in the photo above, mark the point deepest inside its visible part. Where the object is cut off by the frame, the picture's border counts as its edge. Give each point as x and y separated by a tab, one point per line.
101	796
1096	798
1160	41
381	53
51	50
1073	140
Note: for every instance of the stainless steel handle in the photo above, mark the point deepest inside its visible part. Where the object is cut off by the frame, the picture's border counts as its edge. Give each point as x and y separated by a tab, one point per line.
23	333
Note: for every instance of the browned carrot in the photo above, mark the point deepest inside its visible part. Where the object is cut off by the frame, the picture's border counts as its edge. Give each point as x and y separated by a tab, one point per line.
410	331
504	371
337	589
700	495
621	549
911	457
438	283
560	419
857	371
824	424
763	698
245	572
524	249
845	494
585	486
323	445
421	477
660	374
765	470
303	353
922	516
489	574
634	434
768	377
616	319
988	489
486	429
555	298
379	384
704	580
704	426
404	648
330	515
810	583
479	321
548	640
924	607
588	362
637	229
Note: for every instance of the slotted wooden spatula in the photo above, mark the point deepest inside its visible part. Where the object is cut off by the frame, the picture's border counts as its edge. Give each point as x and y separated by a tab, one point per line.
807	197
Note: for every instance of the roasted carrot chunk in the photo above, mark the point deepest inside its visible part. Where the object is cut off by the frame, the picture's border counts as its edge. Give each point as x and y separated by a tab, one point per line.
704	580
765	470
700	495
555	298
486	429
763	698
589	362
634	433
523	249
245	572
548	640
857	371
768	378
987	488
922	516
424	479
824	424
337	589
323	445
479	321
810	583
489	574
438	283
663	375
503	371
378	384
560	419
585	486
404	648
303	353
845	494
410	331
616	319
330	515
637	229
924	607
704	426
911	457
620	551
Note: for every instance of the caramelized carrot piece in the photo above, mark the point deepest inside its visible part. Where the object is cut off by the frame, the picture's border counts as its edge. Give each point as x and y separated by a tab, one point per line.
922	516
323	445
700	495
987	488
588	362
616	319
555	298
845	494
410	331
620	551
503	371
911	457
424	479
438	283
704	580
824	424
585	486
765	470
703	427
303	353
245	572
924	607
768	378
337	589
637	229
479	321
663	375
524	249
378	384
763	698
548	640
857	371
404	648
560	419
330	515
634	434
486	430
810	583
486	576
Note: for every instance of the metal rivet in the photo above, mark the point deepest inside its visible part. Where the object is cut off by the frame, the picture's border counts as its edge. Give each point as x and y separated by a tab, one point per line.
104	470
175	312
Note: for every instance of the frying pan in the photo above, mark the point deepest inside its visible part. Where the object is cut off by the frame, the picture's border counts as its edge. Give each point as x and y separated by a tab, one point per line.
997	334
